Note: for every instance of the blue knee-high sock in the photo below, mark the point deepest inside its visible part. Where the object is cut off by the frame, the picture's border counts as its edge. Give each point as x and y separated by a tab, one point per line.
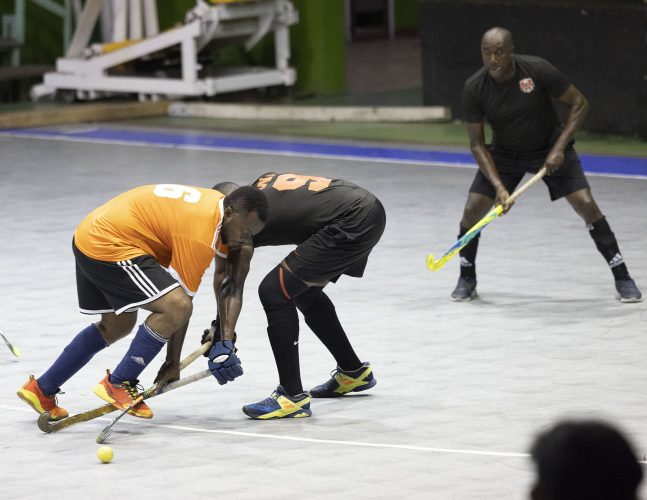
144	347
74	357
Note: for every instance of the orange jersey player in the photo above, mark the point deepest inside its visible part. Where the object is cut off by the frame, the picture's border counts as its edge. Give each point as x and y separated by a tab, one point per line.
149	248
149	221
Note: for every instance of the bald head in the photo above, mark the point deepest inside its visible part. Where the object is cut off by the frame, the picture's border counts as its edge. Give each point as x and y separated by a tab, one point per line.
497	50
499	36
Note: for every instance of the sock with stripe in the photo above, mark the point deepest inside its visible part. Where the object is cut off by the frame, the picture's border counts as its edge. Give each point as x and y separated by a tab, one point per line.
276	292
144	347
468	255
75	356
606	243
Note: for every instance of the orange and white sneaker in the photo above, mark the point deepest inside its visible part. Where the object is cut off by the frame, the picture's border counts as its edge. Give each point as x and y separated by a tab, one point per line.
31	394
121	396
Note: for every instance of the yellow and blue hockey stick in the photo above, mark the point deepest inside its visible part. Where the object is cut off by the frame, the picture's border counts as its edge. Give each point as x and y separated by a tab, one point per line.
14	350
434	265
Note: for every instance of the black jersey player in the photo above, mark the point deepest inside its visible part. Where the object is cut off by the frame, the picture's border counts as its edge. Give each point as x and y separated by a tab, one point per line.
335	225
513	93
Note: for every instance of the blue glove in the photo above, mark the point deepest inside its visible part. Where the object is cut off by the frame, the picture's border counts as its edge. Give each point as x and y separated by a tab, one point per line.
223	362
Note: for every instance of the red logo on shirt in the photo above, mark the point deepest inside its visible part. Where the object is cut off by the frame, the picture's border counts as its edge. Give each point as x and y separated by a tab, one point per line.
526	85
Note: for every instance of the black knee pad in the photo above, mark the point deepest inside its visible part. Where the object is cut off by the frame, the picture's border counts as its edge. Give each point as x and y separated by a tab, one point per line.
279	289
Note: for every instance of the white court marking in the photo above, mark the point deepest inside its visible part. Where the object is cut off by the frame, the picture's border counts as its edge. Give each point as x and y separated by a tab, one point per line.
307	440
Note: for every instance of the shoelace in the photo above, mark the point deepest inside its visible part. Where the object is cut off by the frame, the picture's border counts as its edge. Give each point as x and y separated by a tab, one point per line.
133	388
268	401
56	398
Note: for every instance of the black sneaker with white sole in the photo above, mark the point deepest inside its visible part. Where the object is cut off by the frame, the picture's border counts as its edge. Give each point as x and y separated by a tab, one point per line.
628	291
465	290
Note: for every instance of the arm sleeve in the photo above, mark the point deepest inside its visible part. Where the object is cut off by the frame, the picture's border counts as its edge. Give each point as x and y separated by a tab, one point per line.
472	111
552	79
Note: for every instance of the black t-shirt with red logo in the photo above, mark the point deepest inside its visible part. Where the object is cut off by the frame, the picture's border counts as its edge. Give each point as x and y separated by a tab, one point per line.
520	111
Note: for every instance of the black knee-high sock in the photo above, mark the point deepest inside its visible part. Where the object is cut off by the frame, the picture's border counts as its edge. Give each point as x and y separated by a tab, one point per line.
320	315
276	292
468	255
607	245
283	332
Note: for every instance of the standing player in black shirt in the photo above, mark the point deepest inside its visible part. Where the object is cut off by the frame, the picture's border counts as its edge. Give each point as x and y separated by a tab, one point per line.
513	93
335	225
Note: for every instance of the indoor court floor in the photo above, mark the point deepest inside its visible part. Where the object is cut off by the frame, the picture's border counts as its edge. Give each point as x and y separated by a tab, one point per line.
462	387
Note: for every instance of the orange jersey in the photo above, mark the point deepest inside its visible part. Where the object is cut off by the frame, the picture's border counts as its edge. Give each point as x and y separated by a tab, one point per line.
177	225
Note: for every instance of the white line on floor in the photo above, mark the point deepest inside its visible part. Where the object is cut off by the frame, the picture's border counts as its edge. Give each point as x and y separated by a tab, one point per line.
306	439
484	453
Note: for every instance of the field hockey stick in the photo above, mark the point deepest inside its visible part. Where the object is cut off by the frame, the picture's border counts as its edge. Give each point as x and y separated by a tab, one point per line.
14	350
45	425
434	265
152	392
156	390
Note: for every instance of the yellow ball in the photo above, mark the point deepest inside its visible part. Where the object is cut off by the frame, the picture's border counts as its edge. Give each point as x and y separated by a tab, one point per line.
105	454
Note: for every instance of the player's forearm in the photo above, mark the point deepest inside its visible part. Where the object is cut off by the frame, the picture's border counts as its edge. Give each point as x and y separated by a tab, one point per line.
574	121
229	308
486	165
218	280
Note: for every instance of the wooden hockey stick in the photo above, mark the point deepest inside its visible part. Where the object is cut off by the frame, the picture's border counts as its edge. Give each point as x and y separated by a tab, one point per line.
45	425
103	435
434	265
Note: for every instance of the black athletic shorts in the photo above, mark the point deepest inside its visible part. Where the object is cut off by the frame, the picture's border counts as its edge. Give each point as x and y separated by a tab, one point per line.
105	287
512	167
339	248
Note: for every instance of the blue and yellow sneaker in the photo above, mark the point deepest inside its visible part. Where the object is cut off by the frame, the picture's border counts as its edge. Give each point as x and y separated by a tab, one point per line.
280	405
343	382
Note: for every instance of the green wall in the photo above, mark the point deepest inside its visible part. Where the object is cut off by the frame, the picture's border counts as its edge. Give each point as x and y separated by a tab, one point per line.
407	15
319	46
43	33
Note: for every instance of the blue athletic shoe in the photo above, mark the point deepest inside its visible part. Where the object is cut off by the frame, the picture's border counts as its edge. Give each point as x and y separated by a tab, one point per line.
343	382
280	405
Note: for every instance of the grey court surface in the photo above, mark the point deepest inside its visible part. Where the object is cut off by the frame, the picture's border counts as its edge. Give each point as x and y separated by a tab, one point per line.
462	388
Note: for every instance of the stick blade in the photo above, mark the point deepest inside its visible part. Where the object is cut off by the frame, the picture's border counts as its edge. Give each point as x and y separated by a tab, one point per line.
433	264
101	438
44	422
14	350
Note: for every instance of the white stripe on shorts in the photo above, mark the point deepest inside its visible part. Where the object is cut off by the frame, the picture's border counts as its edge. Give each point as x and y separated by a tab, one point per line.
139	278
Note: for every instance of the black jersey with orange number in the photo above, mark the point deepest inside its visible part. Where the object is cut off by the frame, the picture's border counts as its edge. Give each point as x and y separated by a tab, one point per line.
520	110
300	205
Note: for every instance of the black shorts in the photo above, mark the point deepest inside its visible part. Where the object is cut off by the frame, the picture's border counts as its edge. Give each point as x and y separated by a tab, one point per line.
105	287
339	248
568	179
